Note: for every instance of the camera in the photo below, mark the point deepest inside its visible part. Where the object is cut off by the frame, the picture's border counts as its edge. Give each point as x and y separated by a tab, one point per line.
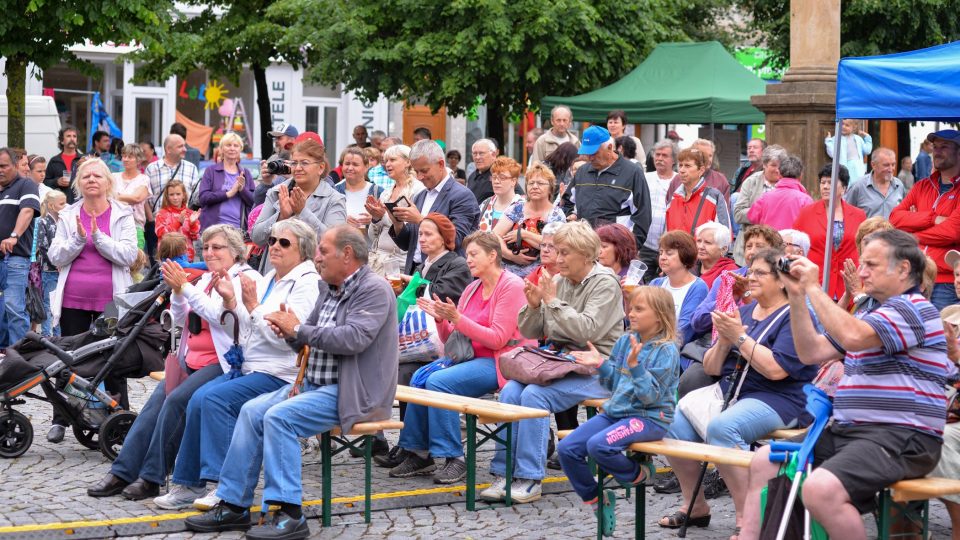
278	166
783	265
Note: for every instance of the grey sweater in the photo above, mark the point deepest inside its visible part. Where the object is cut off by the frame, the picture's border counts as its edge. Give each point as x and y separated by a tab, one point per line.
589	311
366	336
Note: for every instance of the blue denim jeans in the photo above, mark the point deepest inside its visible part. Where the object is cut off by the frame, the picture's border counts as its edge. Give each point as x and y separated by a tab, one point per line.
211	416
152	442
15	297
944	294
530	436
737	427
49	285
604	438
267	432
438	430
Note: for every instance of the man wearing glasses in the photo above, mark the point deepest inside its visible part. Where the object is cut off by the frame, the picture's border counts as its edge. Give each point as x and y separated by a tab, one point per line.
484	153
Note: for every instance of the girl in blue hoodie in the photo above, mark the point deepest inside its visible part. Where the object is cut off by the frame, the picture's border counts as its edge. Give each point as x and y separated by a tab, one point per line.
642	373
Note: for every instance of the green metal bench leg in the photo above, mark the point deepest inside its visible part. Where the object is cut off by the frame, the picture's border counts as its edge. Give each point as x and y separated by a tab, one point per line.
640	512
883	516
507	497
471	463
600	501
326	484
367	472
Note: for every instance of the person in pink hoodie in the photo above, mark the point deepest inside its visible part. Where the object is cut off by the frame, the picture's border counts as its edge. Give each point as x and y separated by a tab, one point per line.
487	315
780	206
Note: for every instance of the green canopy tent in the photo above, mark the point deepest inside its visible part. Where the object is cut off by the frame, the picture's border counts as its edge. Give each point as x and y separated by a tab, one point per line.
679	83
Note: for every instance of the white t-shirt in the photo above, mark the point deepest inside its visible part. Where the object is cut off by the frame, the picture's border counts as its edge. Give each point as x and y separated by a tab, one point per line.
658	206
678	293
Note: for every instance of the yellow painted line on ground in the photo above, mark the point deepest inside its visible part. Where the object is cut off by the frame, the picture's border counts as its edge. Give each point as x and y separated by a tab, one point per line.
255	509
182	515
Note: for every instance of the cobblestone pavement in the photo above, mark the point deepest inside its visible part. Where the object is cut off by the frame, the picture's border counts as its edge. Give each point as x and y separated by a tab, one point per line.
47	485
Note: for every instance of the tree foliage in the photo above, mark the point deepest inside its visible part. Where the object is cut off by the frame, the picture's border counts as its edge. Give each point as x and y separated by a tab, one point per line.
226	37
867	27
42	31
447	53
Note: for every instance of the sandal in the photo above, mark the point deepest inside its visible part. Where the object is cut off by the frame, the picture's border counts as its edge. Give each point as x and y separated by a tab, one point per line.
607	514
676	520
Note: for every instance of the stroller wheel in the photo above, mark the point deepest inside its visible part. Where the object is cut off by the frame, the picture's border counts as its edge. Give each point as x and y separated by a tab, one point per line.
87	436
113	431
16	434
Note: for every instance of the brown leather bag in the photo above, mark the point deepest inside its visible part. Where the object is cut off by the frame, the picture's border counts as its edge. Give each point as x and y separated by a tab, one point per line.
530	365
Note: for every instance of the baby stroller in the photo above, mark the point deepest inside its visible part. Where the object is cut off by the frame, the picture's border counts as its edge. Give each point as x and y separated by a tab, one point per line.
70	372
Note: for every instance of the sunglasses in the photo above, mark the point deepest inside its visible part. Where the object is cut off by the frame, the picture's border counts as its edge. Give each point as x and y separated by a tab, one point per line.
284	242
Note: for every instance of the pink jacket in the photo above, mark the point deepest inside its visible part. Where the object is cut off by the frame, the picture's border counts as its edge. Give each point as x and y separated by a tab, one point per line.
502	334
779	207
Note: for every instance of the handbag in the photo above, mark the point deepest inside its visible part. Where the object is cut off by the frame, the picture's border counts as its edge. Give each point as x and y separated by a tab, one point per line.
530	365
702	405
419	338
458	346
34	298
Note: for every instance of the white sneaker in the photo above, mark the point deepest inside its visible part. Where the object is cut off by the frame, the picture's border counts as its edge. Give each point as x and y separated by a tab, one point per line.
179	497
524	491
497	490
208	501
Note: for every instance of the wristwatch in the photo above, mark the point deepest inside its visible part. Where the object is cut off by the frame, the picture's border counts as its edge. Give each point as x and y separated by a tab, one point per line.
741	340
14	235
296	329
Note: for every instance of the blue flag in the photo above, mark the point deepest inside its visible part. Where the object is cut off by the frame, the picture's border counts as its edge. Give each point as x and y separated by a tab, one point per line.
99	115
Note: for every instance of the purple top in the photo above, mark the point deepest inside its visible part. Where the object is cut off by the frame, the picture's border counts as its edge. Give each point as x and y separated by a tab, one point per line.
89	284
230	209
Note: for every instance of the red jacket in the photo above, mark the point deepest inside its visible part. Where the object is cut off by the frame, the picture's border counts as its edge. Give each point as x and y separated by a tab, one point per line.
812	220
935	238
682	212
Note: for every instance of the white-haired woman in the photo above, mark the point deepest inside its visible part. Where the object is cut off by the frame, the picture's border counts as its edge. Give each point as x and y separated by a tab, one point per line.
226	188
396	161
133	187
795	242
713	244
268	361
95	245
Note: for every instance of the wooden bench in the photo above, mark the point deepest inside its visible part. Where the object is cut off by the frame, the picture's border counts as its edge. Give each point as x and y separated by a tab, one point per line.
734	457
364	434
157	375
487	412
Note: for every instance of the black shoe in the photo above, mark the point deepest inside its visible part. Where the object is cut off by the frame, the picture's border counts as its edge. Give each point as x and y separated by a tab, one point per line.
108	487
141	489
380	448
394	457
554	463
280	527
667	483
219	518
56	433
414	465
713	485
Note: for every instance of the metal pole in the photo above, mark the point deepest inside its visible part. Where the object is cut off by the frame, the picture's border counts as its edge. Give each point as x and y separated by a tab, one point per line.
831	207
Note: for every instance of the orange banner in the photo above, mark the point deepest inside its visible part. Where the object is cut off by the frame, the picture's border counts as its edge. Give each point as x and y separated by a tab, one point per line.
198	135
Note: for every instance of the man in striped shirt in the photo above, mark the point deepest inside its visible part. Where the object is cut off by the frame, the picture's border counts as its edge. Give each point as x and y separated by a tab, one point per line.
890	404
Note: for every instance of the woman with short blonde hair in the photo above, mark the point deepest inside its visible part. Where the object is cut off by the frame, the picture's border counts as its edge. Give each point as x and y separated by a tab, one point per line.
226	188
385	254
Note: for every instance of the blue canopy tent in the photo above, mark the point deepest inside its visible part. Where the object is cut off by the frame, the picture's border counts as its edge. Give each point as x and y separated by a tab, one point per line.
913	85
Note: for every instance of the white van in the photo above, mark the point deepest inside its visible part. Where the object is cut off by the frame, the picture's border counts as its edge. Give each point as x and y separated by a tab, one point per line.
42	125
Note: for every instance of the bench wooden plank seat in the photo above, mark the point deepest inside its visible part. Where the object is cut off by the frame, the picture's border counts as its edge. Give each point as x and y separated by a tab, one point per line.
487	412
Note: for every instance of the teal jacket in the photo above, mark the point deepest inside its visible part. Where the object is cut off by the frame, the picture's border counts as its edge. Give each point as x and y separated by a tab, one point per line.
648	390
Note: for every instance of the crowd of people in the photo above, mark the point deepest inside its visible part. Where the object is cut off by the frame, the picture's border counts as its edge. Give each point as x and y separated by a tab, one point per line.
539	257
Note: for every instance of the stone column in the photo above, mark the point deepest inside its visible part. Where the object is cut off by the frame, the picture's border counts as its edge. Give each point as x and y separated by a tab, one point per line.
801	110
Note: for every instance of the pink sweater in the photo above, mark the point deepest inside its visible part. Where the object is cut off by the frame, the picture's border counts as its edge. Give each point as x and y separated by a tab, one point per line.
779	207
502	335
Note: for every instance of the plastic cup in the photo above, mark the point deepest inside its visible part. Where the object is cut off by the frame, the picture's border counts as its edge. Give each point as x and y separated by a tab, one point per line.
635	273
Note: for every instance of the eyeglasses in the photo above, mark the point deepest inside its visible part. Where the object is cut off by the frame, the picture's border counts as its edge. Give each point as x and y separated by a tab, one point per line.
547	247
479	154
284	242
304	164
213	247
503	177
759	273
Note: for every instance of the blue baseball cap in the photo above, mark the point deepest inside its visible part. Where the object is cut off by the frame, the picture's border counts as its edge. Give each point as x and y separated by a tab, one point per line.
951	135
284	129
593	139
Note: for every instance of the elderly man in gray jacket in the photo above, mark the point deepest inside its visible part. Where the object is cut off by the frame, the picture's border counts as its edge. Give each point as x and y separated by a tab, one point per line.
351	377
